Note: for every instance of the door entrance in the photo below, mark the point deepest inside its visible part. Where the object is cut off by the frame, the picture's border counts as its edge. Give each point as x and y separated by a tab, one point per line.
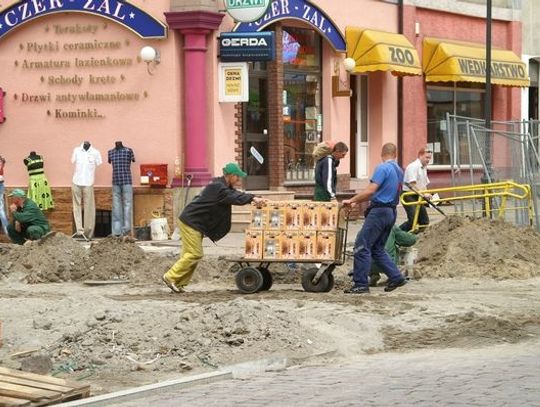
359	127
255	128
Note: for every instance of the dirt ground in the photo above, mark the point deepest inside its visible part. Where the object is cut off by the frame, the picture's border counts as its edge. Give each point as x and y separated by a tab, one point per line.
476	284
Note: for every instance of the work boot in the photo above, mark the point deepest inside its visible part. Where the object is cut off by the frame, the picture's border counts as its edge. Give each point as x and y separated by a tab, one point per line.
374	279
171	285
357	290
391	286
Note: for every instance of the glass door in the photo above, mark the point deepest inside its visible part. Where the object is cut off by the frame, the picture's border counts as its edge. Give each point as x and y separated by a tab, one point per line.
255	131
362	156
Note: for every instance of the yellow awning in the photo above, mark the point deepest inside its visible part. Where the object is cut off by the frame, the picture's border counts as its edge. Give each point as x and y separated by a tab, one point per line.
381	51
457	61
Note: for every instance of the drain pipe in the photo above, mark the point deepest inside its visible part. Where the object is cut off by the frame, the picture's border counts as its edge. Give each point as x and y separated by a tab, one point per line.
400	93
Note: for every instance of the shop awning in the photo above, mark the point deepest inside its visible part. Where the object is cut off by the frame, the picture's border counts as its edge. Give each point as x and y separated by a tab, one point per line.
457	61
381	51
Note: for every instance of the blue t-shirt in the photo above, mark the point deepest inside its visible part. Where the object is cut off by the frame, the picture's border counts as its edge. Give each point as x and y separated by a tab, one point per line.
388	177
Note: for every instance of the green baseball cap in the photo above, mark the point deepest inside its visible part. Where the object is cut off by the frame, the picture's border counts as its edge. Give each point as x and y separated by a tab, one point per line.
18	193
233	169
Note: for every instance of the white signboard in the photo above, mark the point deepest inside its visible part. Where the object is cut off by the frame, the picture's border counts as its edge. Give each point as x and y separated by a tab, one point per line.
246	11
233	82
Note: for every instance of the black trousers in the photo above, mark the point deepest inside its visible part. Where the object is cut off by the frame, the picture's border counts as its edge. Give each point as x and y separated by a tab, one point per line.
423	218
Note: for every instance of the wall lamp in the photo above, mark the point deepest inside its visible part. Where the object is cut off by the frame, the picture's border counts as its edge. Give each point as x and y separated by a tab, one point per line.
150	55
349	64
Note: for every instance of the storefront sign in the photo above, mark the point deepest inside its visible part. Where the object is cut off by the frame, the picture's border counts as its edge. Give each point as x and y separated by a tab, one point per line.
233	82
301	10
239	47
401	55
120	11
246	10
502	70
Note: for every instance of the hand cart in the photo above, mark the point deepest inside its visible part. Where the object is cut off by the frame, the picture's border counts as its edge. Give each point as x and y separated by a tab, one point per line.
254	274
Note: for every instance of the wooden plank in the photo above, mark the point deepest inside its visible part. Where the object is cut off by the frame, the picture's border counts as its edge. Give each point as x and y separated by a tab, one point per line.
36	384
105	282
28	393
40	378
13	402
23	353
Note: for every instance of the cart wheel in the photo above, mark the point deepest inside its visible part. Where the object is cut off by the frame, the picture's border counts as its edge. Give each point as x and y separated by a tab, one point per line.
249	280
330	282
322	286
267	278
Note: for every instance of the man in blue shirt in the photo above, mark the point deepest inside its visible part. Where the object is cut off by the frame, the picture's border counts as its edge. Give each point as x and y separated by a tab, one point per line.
383	191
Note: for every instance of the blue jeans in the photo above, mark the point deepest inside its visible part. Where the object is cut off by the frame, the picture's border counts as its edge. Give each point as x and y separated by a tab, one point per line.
369	245
3	217
122	209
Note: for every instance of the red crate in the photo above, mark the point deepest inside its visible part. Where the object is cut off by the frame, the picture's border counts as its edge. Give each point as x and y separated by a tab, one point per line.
154	175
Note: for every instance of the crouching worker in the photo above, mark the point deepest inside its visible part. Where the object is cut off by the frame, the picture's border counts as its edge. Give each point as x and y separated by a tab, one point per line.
209	214
29	222
397	238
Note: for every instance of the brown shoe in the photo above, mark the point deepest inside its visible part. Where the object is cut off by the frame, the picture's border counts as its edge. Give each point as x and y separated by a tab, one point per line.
171	285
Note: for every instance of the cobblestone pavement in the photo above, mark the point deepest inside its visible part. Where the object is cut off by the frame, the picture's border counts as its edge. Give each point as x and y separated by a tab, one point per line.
506	375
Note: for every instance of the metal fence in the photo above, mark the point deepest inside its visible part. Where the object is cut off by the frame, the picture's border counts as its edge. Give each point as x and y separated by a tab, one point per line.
507	151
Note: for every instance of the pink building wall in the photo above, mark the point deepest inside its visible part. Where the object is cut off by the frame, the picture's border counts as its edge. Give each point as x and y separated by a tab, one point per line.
336	110
151	125
505	100
223	133
154	125
382	86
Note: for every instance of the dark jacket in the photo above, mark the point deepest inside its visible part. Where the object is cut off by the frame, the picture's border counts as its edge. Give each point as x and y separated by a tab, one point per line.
210	211
326	176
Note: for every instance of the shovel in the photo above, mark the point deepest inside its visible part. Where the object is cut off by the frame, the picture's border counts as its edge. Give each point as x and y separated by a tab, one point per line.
413	189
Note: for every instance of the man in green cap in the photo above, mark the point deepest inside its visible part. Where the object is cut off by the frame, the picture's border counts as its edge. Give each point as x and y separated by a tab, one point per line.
209	214
29	223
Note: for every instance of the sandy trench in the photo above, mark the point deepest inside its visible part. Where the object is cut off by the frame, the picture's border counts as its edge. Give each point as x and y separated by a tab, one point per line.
465	295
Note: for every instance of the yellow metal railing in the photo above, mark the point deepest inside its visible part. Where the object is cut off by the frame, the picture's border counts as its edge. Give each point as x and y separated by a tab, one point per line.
488	193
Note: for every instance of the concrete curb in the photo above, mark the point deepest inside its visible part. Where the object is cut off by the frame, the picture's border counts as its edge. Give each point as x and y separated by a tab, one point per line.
237	371
150	389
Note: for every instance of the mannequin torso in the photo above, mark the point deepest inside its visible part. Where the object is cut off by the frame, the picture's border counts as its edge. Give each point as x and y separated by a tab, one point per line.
121	158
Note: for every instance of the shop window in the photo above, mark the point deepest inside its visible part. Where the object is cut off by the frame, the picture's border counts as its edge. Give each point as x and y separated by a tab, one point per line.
465	102
302	113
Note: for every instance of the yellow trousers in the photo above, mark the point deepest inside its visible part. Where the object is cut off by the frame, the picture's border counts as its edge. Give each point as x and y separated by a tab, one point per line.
192	252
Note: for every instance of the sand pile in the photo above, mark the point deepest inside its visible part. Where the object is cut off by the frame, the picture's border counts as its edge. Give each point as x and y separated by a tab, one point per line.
59	258
464	247
52	259
463	330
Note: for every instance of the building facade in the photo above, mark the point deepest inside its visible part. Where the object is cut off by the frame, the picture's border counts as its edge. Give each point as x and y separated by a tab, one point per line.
74	75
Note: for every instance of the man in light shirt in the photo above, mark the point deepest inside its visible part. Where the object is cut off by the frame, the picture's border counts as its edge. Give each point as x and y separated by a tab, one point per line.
416	176
85	159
